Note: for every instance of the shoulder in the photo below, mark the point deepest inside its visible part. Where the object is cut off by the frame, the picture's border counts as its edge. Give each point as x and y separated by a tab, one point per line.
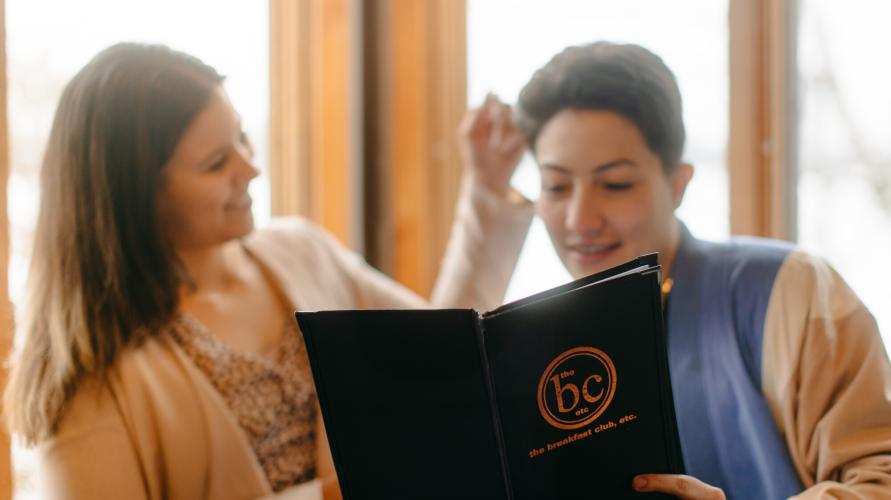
744	269
745	254
780	268
290	239
101	399
738	262
91	410
813	286
286	231
92	453
98	413
813	314
141	423
152	388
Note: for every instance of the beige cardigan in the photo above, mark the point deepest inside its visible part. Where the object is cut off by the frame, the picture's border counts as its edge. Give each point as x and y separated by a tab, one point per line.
158	429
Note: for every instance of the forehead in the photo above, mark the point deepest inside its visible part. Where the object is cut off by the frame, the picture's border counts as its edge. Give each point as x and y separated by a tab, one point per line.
585	138
212	128
215	120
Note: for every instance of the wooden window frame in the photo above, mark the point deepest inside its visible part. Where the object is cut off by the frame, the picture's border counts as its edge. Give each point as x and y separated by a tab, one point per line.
416	89
763	142
372	158
6	320
315	111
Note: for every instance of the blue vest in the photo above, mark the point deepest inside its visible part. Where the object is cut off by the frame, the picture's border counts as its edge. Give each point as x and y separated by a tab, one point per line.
715	315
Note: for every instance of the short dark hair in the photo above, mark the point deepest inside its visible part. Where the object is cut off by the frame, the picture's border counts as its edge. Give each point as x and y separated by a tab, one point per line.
623	78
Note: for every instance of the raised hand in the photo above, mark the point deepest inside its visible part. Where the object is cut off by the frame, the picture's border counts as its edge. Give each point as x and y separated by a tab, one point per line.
491	145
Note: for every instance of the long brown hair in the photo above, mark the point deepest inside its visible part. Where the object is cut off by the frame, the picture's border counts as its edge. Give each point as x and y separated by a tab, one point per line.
103	274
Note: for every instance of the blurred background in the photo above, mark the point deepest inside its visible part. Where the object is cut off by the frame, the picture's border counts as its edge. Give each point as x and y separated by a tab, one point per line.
353	105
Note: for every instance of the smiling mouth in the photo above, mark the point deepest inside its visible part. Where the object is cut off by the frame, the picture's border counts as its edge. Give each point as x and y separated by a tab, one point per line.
592	251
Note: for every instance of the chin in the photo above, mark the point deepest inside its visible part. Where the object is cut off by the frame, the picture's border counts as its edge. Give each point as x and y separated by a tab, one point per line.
248	229
241	228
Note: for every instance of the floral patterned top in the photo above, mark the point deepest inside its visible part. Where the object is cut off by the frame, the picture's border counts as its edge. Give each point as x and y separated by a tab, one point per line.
273	399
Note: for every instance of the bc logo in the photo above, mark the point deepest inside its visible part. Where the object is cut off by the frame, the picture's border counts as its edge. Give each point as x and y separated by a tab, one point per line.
576	387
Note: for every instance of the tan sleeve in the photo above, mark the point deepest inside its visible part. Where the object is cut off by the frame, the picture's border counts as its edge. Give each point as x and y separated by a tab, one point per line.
91	456
827	379
484	247
368	287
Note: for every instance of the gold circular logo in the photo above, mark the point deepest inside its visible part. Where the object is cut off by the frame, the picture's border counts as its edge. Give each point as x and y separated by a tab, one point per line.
576	387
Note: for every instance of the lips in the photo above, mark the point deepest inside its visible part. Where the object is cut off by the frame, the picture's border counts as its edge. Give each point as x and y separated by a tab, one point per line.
591	253
590	249
593	248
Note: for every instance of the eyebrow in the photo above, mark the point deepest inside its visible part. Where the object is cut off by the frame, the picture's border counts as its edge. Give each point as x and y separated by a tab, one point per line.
212	156
597	170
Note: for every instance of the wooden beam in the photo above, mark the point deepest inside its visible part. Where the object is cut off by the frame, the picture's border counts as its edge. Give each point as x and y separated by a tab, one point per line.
419	83
6	320
763	142
289	122
315	113
336	117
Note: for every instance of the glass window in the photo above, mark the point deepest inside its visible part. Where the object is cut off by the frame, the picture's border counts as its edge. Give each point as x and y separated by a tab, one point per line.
844	185
48	41
509	39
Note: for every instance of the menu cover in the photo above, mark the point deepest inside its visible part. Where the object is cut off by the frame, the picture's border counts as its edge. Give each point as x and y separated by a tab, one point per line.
563	394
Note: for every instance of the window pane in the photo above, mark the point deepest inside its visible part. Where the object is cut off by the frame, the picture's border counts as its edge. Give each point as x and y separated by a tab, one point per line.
845	153
509	39
48	41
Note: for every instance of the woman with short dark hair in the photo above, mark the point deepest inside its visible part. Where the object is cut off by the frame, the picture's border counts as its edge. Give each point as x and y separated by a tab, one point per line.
781	383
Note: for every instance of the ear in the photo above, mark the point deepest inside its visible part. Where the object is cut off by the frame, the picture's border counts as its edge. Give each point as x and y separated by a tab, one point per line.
679	180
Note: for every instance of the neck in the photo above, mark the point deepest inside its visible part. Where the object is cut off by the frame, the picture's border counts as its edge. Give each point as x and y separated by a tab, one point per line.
211	269
671	250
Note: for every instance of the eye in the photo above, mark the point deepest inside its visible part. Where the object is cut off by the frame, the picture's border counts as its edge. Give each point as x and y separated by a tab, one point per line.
217	164
554	188
245	140
618	186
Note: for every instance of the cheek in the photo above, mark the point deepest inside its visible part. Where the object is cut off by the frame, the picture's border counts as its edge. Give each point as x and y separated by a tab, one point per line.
185	201
178	205
634	215
643	219
553	214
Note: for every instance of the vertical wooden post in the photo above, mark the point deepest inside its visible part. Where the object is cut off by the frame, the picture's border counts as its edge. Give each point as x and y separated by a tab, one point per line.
418	83
289	122
6	323
366	99
315	113
763	142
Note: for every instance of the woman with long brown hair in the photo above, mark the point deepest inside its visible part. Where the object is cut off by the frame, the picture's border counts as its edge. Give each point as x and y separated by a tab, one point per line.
160	357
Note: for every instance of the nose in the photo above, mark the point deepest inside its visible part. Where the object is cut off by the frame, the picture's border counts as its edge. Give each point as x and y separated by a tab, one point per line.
246	168
584	215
